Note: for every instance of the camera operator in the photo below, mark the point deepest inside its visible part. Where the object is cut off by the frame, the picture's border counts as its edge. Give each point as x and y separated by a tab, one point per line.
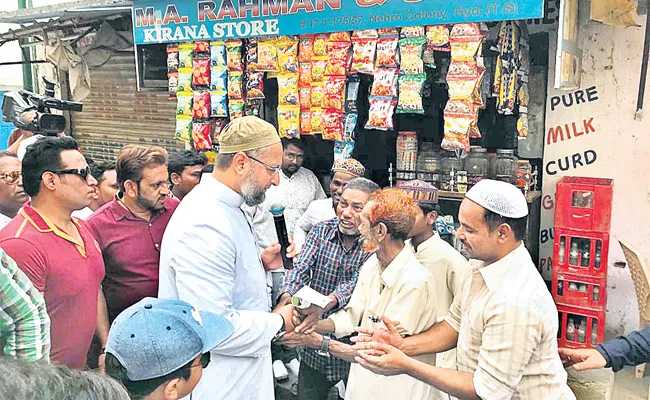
19	146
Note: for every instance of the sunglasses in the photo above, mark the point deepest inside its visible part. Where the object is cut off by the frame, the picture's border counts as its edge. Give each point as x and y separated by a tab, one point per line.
11	177
83	172
205	361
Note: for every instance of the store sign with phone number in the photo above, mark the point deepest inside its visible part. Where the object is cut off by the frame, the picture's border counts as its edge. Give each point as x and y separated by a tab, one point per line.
165	21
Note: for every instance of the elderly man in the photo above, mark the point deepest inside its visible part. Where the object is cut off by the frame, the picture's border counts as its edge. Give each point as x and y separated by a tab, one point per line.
12	194
392	283
343	171
503	321
210	259
329	264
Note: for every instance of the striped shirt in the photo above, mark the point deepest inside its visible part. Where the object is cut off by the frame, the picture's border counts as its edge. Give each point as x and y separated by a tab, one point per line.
24	323
507	331
329	268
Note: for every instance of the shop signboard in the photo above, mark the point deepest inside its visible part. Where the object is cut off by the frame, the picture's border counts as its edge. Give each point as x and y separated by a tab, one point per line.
165	21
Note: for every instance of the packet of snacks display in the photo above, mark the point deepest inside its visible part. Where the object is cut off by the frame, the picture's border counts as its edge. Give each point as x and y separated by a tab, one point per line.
305	48
412	32
338	58
410	94
320	45
183	129
186	55
172	57
289	121
217	125
463	68
317	122
236	109
334	88
218	79
185	76
365	34
304	93
340	37
267	55
387	52
305	122
305	74
253	107
462	86
457	128
172	84
380	114
350	126
288	89
201	105
201	47
218	104
218	54
385	82
438	37
465	40
235	86
352	93
254	85
288	54
184	104
233	55
343	150
201	136
317	94
410	50
251	56
388	32
318	66
363	55
201	75
333	125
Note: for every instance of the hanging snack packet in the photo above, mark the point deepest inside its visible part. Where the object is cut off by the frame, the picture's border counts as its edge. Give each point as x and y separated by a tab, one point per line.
343	150
412	32
317	121
340	36
385	83
235	86
201	47
410	94
365	34
320	45
350	126
305	74
456	131
462	86
380	114
185	76
411	55
201	75
438	37
201	136
305	48
333	125
317	94
465	40
217	125
184	104
254	85
218	79
218	104
233	55
186	55
288	54
201	107
251	56
304	93
218	54
289	121
352	93
363	56
318	66
172	84
172	57
236	109
183	129
267	55
334	88
288	89
387	53
338	58
388	31
253	107
305	123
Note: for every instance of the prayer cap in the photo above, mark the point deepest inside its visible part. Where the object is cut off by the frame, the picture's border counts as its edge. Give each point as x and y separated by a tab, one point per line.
350	166
499	197
420	191
247	133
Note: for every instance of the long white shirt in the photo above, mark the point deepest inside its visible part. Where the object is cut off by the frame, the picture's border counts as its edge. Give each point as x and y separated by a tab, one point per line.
209	259
317	212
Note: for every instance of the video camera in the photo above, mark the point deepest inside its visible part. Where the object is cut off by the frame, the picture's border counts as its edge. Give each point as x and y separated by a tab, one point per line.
31	111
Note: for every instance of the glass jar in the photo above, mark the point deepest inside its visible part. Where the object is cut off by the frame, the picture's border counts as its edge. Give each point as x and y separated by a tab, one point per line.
522	175
477	165
505	165
449	163
428	164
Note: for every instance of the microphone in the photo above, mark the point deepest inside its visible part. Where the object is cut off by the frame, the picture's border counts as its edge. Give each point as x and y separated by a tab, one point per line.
277	210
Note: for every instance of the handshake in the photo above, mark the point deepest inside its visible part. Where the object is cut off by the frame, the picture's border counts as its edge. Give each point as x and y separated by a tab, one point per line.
303	321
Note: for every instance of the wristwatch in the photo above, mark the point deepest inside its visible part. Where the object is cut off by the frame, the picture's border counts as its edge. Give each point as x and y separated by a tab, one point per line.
281	332
324	347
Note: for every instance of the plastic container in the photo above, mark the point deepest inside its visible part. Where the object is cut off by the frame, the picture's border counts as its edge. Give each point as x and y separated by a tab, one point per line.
504	165
428	164
477	165
449	163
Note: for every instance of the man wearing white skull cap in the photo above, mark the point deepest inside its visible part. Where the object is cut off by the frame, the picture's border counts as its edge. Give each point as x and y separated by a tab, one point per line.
503	322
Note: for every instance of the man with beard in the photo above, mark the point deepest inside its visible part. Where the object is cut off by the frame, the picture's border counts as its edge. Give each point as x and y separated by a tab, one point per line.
130	228
329	263
343	171
12	194
210	259
391	283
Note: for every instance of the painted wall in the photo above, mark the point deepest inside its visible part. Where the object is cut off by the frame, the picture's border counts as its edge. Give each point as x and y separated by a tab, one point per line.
605	141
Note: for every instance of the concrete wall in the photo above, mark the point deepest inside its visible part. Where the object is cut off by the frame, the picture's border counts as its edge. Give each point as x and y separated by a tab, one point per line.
617	147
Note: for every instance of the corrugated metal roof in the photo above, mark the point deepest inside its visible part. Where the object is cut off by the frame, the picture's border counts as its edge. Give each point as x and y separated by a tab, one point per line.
69	10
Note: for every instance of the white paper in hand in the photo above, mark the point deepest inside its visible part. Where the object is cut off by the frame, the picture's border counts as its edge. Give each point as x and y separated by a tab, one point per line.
308	296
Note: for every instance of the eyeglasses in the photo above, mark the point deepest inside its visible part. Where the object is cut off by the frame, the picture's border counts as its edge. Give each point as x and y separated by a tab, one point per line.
11	177
270	168
83	172
204	362
294	157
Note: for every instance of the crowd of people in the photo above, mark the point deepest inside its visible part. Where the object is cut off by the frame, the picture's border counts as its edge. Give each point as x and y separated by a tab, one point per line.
170	280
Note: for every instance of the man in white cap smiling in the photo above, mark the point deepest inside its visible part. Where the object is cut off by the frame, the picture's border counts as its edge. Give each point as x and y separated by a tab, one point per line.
503	321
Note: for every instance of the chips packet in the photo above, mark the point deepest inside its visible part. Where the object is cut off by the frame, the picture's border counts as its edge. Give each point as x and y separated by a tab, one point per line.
288	89
333	125
235	86
233	55
186	55
201	74
185	77
218	104
201	47
343	150
254	85
172	57
267	55
183	129
352	93
288	54
201	135
218	79
350	126
380	113
218	54
201	105
236	109
385	82
305	48
251	55
410	94
387	52
184	104
253	107
289	121
411	55
363	55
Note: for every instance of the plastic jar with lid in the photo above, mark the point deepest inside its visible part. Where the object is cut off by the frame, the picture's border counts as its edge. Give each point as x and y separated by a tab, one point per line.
428	164
449	163
505	165
477	165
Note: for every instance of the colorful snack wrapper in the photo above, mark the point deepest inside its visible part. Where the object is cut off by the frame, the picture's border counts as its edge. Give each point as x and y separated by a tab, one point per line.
236	109
363	56
183	129
305	48
349	127
253	107
338	58
201	47
172	84
201	75
305	122
233	55
251	54
219	79
218	104
201	105
235	86
462	86
184	104
412	32
217	125
304	93
388	32
411	55
410	94
438	37
343	150
385	83
201	136
186	55
333	125
317	94
185	76
288	55
352	93
267	53
380	114
305	74
172	57
456	132
318	66
340	36
218	54
365	34
289	121
254	85
288	89
320	45
334	88
317	122
387	53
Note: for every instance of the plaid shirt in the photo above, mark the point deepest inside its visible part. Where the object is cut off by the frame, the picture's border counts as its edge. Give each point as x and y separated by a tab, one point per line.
327	267
24	323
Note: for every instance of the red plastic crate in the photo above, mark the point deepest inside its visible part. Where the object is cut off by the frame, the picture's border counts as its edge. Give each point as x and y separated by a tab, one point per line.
576	339
579	290
584	203
588	257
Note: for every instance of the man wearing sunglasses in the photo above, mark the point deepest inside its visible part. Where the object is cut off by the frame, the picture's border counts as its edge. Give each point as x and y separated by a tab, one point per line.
12	194
158	348
57	252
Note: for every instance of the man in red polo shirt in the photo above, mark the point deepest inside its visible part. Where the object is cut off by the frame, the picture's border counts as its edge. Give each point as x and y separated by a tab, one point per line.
130	228
57	252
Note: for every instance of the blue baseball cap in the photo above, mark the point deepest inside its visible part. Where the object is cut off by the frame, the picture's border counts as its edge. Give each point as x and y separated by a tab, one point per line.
155	337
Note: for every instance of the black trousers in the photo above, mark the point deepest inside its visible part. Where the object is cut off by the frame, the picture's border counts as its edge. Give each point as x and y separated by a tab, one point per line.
312	384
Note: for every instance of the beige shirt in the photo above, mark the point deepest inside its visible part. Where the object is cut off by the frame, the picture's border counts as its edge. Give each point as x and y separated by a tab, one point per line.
404	291
448	267
507	331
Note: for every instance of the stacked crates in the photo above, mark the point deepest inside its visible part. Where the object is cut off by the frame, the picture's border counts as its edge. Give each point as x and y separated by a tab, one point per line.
580	252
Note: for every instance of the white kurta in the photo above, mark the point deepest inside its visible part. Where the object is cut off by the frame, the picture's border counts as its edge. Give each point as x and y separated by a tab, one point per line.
209	259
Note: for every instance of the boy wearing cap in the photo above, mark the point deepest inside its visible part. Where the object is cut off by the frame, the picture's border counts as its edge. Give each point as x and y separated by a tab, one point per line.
503	322
158	348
